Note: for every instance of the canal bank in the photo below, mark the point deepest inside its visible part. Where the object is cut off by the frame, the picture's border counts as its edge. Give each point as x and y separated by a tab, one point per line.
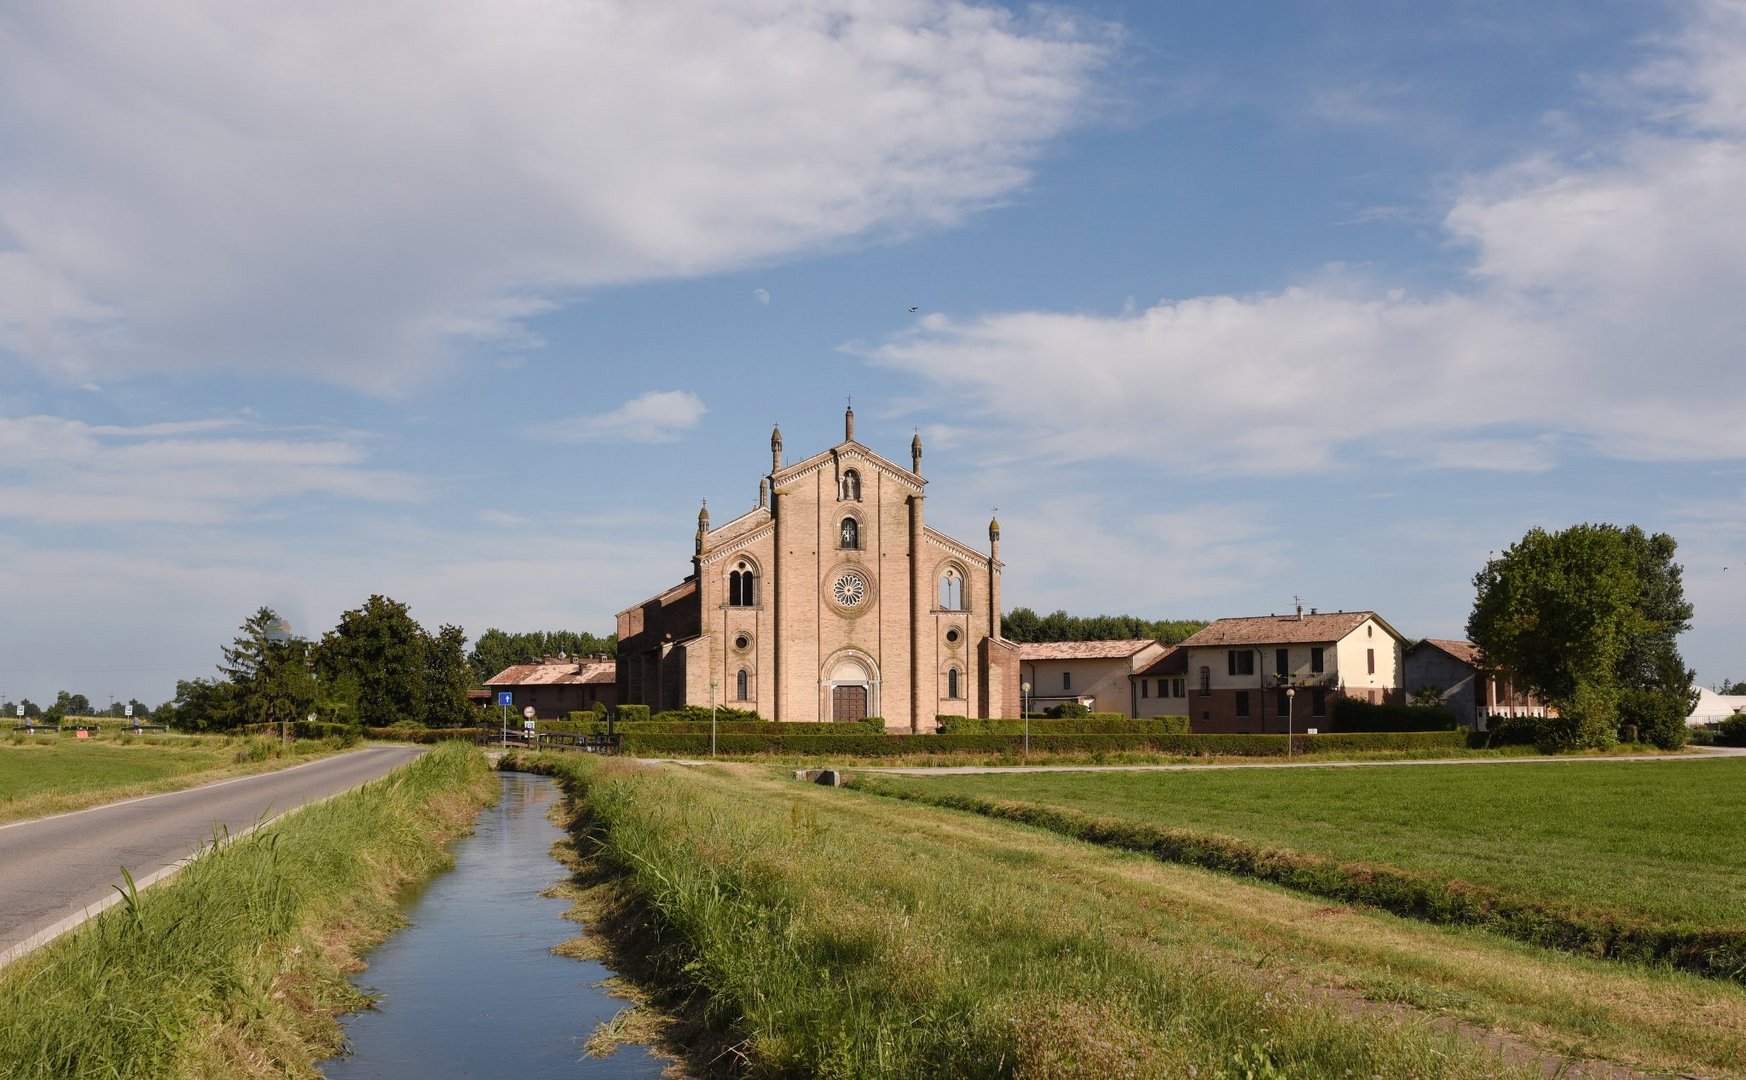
473	988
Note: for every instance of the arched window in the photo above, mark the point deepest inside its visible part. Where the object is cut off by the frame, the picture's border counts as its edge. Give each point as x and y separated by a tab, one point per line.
952	682
742	686
851	534
742	586
1205	680
849	487
952	590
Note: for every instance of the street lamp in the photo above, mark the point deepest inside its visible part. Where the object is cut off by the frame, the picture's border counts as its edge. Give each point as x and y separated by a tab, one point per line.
1025	714
713	683
1290	701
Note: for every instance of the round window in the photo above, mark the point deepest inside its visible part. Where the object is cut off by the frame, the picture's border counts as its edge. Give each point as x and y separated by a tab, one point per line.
952	635
849	589
742	642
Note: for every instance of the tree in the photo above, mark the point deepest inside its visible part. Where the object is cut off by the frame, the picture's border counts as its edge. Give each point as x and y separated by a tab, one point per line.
1024	625
1586	618
200	705
1729	688
447	678
498	649
381	647
269	672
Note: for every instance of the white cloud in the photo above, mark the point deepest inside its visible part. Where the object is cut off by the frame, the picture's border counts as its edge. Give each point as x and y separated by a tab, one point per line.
659	416
59	471
351	190
1603	312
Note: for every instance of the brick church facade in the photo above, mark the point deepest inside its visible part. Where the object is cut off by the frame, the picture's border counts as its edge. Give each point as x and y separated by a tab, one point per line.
830	600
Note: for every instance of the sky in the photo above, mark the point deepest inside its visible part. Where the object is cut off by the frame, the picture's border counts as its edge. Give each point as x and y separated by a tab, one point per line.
1223	304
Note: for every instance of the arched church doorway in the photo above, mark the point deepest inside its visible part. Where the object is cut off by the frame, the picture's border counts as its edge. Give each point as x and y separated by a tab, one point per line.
851	688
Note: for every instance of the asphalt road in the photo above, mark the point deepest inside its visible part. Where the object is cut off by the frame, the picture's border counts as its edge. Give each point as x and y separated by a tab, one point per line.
55	872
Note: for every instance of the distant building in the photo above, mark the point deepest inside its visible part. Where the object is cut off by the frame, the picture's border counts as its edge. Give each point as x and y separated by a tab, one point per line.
830	599
557	685
1466	685
1093	673
1713	708
1239	670
1161	689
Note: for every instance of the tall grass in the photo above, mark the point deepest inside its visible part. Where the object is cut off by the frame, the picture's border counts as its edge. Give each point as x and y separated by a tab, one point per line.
822	937
236	965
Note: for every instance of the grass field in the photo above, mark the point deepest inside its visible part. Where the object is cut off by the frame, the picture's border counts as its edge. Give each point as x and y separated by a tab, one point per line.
1659	839
56	773
827	932
237	966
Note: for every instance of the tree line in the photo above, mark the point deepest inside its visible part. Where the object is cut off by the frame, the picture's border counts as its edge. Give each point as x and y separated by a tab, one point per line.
1025	627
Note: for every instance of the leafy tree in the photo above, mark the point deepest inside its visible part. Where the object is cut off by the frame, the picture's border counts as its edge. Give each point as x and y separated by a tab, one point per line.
1586	618
31	709
381	647
1730	688
447	678
499	649
200	705
73	704
1024	625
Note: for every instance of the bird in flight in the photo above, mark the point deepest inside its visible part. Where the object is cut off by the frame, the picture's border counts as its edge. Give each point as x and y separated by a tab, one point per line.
912	311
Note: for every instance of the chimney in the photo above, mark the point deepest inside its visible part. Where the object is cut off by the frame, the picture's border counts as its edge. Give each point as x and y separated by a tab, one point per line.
1300	613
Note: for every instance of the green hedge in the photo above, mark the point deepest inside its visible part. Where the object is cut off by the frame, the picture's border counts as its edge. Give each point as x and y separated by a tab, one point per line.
1095	724
871	725
436	735
632	713
1715	952
874	746
1351	714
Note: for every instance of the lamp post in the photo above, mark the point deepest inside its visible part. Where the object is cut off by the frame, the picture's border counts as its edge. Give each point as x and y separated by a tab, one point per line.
1025	714
1290	702
712	685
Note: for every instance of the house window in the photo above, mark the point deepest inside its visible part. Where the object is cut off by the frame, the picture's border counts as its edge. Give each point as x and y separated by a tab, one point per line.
743	685
1242	703
952	683
1282	662
952	590
1370	660
1180	686
1066	680
1318	702
1145	688
1163	687
1240	662
742	586
849	487
851	534
1316	660
1205	680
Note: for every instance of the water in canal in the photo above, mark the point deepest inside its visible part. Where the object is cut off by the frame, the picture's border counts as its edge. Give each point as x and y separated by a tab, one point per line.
471	988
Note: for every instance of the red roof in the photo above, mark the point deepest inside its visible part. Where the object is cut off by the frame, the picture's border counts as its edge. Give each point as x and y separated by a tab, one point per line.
562	673
1173	662
1465	651
1284	629
1083	650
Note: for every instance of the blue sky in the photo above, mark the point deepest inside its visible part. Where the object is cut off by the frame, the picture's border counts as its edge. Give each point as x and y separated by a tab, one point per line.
1220	304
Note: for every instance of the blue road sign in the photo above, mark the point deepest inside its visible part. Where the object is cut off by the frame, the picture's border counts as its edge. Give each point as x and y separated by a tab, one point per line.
505	697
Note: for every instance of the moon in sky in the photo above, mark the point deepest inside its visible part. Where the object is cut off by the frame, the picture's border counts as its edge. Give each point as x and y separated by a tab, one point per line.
762	296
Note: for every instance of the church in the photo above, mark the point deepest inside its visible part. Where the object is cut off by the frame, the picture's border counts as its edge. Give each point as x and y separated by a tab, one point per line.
831	599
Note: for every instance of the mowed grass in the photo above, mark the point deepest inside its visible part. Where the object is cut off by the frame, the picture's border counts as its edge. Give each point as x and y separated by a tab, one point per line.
1659	839
832	933
56	773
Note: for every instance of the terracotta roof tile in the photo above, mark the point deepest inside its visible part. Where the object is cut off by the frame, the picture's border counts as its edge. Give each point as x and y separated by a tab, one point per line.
1281	629
571	673
1465	651
1083	650
1173	662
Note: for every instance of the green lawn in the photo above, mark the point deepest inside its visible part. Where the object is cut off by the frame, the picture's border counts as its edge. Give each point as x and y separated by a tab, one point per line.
71	765
1662	839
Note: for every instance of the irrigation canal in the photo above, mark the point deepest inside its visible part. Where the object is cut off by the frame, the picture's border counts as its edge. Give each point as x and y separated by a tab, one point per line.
472	988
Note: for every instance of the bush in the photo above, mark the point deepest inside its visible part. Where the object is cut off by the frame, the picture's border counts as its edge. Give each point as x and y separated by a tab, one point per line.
874	746
1732	731
1351	714
699	714
1067	710
1657	717
1095	724
632	713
